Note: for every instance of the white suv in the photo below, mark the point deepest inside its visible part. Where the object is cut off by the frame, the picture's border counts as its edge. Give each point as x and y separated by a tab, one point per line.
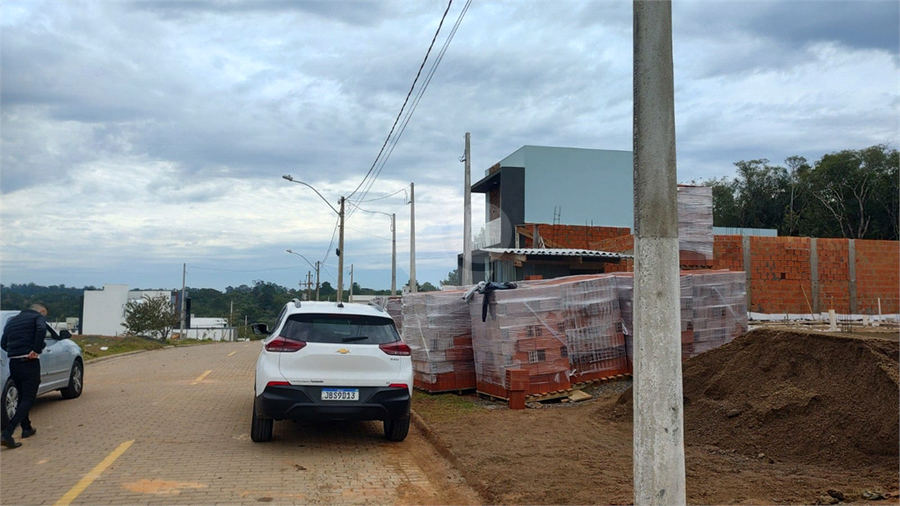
330	361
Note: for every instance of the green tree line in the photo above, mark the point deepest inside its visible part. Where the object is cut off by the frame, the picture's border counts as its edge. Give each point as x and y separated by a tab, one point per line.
853	194
259	303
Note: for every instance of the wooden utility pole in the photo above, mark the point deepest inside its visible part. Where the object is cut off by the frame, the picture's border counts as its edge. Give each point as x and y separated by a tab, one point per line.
317	280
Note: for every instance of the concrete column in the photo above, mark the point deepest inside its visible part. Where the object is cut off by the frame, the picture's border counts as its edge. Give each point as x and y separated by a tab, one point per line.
658	407
748	268
852	268
814	277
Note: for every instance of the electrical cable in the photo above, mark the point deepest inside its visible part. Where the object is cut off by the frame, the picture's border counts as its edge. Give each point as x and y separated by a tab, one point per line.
408	94
415	103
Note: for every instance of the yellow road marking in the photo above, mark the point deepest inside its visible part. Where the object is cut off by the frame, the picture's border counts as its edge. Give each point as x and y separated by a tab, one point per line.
232	353
198	380
93	475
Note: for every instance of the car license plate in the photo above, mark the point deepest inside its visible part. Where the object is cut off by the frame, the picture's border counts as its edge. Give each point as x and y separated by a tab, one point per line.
340	394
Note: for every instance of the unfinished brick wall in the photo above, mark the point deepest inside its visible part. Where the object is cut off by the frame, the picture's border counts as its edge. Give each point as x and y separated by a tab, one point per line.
572	236
877	265
782	281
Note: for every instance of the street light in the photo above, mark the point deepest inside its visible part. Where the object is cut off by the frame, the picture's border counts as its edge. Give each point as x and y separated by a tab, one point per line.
316	267
340	250
393	218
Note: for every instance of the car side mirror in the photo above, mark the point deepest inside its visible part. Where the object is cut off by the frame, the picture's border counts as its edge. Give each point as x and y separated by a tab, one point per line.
65	334
260	329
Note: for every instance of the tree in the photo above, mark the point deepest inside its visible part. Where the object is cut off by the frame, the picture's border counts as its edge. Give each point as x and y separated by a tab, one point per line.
452	278
428	287
153	316
852	188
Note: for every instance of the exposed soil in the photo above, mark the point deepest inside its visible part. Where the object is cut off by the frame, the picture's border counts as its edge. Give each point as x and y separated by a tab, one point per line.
774	417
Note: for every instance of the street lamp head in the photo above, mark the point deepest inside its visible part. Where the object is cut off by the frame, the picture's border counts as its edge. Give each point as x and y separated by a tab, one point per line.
288	177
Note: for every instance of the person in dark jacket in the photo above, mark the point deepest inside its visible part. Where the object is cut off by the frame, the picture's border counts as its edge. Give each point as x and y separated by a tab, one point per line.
23	341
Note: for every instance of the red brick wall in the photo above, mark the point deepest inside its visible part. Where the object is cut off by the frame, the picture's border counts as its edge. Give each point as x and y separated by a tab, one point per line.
781	279
834	274
574	236
877	266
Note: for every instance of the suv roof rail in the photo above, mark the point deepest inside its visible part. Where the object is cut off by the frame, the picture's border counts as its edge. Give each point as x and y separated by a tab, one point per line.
296	302
377	306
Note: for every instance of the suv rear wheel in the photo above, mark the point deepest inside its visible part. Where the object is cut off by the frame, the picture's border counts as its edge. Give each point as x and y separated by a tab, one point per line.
396	430
260	428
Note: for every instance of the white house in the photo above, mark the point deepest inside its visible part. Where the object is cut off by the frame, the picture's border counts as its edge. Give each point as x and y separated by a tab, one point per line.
104	309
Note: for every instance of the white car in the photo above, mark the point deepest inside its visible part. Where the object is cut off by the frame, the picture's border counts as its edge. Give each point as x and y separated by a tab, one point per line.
331	361
62	368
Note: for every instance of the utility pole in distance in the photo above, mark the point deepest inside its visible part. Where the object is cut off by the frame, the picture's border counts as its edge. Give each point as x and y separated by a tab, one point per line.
394	254
466	278
412	238
340	287
317	281
659	473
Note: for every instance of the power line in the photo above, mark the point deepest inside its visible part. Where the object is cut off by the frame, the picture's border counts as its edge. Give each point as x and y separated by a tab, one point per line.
381	163
408	94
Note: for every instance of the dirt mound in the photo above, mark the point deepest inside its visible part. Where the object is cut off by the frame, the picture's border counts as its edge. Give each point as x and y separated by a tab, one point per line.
795	396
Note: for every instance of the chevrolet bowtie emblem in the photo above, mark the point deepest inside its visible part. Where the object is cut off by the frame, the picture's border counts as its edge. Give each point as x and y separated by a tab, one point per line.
343	351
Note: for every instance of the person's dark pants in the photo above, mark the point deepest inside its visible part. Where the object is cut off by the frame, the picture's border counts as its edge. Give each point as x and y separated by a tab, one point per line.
26	374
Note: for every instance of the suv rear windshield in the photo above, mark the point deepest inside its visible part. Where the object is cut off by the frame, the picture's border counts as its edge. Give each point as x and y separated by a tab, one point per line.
353	329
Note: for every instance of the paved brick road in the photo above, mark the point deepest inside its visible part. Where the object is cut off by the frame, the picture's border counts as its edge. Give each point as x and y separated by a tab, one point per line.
191	444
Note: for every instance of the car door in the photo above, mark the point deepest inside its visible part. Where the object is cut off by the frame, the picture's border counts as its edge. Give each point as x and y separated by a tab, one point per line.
55	362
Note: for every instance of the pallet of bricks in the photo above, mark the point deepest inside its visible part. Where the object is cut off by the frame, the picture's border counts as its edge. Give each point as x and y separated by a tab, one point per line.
393	304
713	310
719	312
437	328
560	331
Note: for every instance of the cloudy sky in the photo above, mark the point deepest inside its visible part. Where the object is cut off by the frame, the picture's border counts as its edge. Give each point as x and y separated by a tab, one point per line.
141	136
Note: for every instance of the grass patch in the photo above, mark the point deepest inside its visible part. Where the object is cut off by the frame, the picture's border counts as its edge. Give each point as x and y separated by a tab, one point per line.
445	406
103	346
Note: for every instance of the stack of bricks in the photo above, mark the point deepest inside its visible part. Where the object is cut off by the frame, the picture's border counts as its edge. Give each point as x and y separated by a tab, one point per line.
522	331
562	331
437	328
695	226
594	330
394	307
713	310
719	308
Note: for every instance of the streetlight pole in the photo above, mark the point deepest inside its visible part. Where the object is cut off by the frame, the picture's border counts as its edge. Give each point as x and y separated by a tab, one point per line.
340	250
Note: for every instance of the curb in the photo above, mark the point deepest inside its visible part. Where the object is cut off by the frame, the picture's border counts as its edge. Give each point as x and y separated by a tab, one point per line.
441	447
111	357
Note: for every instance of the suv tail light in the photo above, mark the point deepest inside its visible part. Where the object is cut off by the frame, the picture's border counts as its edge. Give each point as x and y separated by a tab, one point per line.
396	348
280	344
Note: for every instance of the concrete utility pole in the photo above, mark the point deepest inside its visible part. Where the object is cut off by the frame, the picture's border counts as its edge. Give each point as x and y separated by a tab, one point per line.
308	285
340	287
394	254
183	276
412	238
658	406
466	274
350	298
